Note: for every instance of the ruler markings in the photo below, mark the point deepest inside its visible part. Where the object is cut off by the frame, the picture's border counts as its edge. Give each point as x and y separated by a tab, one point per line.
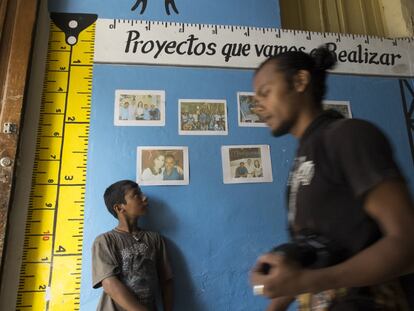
66	255
54	231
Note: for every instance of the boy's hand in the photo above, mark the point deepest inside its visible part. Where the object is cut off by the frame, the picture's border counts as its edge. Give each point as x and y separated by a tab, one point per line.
121	294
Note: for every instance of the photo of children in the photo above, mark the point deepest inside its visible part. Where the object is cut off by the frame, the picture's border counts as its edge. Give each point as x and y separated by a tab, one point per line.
246	164
139	108
343	107
202	117
245	105
162	166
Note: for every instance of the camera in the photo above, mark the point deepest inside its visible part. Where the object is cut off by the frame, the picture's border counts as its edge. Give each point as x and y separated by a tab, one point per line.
309	250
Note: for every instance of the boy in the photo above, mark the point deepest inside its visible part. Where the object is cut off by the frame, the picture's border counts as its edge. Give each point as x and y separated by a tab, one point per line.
130	263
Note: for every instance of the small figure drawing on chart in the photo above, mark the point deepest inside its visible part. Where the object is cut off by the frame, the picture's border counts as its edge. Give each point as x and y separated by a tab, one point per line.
137	3
167	3
173	6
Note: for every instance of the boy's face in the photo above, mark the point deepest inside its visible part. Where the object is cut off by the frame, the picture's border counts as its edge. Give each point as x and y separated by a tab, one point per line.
136	203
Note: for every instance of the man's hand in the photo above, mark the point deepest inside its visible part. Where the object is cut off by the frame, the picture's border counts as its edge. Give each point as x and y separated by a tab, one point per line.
179	169
280	304
386	259
282	279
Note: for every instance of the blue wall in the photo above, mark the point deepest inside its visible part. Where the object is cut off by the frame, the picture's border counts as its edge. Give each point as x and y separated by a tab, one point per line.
214	231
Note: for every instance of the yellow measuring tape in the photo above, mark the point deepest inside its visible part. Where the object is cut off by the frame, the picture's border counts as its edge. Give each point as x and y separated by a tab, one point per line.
52	255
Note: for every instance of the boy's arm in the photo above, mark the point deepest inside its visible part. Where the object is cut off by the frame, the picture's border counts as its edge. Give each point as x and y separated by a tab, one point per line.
165	275
167	294
121	294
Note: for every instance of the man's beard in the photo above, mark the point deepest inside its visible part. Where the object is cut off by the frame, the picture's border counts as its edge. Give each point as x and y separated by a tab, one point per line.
283	129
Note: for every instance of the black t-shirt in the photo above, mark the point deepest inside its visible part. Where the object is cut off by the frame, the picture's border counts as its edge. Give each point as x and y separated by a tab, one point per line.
338	161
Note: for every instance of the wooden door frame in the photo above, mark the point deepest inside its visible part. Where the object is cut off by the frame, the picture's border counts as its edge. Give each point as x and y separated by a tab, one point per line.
17	29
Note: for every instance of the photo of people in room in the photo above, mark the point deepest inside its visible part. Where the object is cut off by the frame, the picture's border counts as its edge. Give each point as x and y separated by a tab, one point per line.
343	107
246	163
202	117
246	115
139	108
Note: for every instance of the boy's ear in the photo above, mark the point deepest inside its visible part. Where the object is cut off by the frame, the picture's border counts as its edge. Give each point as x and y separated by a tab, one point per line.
118	208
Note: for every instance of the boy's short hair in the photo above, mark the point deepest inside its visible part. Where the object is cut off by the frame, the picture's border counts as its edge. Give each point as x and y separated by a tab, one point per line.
115	194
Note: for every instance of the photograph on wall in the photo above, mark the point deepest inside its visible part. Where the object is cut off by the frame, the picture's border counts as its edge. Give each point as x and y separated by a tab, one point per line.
245	105
162	165
343	107
139	108
246	164
202	117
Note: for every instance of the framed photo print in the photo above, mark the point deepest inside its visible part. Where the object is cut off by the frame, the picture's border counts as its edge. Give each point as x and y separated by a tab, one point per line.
344	107
246	115
162	165
246	164
202	117
139	108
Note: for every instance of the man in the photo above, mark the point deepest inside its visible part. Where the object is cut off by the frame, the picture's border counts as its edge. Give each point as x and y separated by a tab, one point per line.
241	171
203	120
172	171
147	113
154	113
344	186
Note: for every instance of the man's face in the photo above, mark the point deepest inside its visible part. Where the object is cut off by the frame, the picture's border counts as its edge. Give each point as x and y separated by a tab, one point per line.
277	102
136	203
169	164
